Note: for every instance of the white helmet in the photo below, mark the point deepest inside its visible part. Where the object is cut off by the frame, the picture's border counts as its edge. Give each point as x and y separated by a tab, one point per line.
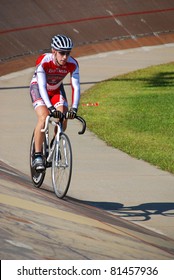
61	43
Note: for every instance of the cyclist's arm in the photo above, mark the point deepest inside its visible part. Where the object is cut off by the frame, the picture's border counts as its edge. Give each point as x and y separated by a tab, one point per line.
75	83
42	83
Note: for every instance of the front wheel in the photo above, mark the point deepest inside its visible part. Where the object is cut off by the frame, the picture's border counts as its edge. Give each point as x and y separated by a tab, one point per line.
37	178
62	166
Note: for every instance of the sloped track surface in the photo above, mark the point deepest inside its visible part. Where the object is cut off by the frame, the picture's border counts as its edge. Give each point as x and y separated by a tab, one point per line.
31	217
95	26
36	225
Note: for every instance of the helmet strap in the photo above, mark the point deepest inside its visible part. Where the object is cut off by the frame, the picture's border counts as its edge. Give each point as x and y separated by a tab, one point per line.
55	57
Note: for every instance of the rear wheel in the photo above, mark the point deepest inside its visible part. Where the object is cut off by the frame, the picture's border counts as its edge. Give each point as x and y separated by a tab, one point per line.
37	177
62	166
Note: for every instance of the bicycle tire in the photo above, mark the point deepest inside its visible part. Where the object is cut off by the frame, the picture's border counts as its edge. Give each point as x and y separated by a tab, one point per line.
37	178
61	170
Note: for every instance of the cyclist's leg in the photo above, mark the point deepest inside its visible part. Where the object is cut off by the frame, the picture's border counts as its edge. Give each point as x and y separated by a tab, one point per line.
39	162
59	101
63	109
42	113
37	177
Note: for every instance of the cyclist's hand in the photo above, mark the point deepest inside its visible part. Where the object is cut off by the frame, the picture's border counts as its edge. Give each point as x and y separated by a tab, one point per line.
55	113
72	113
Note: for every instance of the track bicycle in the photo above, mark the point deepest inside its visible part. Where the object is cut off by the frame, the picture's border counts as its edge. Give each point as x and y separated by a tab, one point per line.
57	154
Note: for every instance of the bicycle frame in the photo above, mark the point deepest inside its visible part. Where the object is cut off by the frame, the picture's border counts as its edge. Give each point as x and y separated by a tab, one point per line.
57	137
58	156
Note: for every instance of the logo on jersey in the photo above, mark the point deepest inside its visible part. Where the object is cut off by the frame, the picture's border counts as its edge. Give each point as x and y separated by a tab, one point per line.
62	71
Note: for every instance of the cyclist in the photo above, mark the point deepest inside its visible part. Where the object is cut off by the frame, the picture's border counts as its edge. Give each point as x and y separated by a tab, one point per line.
47	90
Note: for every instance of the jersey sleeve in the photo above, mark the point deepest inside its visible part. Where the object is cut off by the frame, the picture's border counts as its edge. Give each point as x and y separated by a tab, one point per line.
75	83
42	83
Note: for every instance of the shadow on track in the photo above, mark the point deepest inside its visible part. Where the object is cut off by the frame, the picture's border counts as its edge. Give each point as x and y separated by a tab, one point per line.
144	211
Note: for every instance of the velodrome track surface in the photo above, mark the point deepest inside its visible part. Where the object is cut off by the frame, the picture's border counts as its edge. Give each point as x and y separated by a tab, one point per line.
36	225
95	26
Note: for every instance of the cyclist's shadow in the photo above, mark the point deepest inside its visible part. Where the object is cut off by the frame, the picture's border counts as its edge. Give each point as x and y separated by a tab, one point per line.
142	212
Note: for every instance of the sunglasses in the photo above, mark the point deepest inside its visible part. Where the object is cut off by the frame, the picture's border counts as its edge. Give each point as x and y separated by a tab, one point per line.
64	53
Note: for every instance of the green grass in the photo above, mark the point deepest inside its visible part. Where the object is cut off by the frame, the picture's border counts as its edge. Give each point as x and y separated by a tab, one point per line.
135	114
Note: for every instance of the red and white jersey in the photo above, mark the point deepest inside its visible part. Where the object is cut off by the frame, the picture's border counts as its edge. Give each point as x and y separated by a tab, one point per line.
49	77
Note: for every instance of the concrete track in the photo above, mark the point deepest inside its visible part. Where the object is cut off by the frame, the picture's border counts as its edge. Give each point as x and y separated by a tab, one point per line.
95	26
35	225
125	187
119	210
